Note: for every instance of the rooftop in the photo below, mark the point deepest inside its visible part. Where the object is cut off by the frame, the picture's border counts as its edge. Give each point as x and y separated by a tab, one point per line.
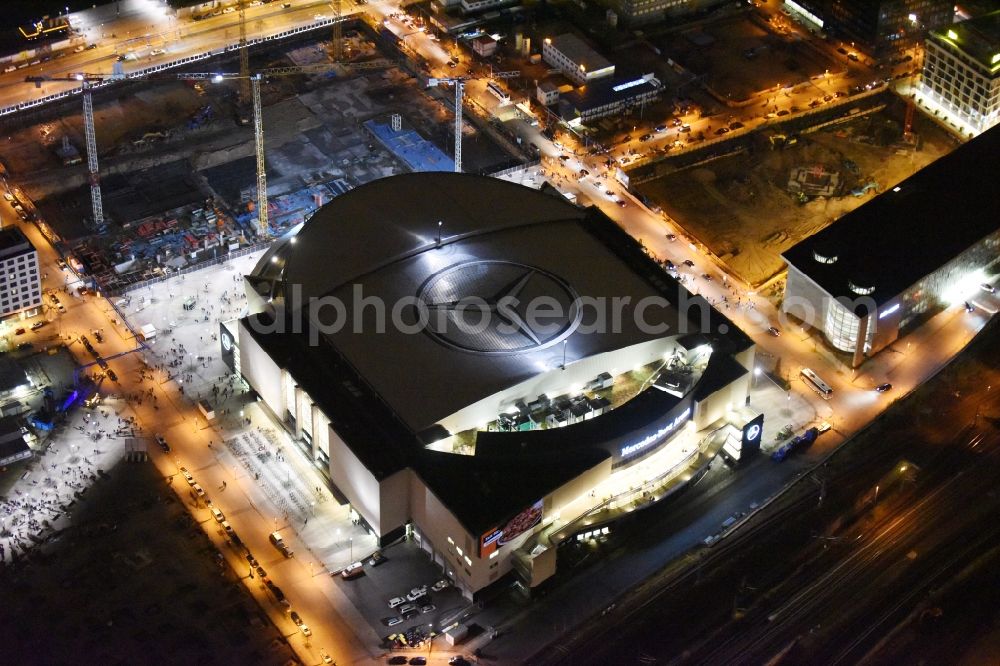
602	92
14	242
978	37
580	52
910	231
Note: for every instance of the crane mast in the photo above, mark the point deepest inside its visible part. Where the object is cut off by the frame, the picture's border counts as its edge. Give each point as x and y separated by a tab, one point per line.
93	174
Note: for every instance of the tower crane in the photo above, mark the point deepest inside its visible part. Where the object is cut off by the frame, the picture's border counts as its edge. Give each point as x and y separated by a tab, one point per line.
93	175
251	80
459	83
244	57
338	38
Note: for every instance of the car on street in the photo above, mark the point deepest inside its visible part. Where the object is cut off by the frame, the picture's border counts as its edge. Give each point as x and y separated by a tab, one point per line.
19	331
218	515
684	129
428	608
987	287
306	631
163	443
198	490
584	173
736	125
260	572
969	307
406	611
398	659
38	324
721	131
660	128
440	585
376	559
689	263
416	593
187	475
783	112
773	331
393	621
352	571
645	137
296	618
706	277
252	560
418	661
327	659
458	660
229	528
396	601
824	426
882	388
671	237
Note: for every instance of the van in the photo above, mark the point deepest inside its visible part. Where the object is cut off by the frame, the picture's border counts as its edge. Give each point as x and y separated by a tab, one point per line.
279	543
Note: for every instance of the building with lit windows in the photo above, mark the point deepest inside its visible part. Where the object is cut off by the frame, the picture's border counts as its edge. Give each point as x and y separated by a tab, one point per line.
877	27
574	58
884	267
961	77
20	281
638	12
481	438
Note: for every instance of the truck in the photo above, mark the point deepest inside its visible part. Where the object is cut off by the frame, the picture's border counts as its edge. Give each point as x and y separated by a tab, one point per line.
802	441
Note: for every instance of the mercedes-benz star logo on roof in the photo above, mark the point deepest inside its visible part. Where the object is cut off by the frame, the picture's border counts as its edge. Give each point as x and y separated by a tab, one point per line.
499	307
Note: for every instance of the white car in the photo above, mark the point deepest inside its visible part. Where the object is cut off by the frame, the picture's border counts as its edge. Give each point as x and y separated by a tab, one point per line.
440	585
416	593
396	601
987	287
306	631
156	52
218	515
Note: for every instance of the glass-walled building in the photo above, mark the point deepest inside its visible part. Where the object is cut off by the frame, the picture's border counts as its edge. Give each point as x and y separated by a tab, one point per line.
923	245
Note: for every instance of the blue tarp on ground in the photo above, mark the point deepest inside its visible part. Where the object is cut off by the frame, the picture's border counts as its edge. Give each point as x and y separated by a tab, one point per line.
417	152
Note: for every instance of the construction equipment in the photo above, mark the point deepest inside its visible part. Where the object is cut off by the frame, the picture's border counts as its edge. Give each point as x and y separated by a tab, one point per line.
93	176
244	57
252	81
338	38
459	83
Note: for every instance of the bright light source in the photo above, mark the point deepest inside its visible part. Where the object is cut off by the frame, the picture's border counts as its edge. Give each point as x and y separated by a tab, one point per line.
952	34
217	78
79	77
756	372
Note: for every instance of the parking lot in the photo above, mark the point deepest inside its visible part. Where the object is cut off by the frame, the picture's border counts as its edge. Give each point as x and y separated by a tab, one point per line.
405	567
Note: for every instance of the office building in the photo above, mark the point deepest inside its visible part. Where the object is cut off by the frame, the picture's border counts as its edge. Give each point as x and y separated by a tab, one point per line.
20	281
884	267
961	76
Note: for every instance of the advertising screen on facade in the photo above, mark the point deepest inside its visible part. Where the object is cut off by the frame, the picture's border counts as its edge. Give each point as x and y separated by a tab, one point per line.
514	528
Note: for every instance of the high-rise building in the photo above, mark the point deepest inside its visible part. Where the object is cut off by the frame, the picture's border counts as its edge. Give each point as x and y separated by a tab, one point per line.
961	78
20	282
877	27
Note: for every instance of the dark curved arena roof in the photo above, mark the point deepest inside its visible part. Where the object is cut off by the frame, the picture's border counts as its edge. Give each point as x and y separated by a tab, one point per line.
379	241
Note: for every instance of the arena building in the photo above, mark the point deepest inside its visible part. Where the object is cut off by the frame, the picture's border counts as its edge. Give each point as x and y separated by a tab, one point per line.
923	245
467	359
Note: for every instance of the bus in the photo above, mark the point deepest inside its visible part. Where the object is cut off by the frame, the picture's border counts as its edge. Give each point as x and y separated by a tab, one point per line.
498	92
817	384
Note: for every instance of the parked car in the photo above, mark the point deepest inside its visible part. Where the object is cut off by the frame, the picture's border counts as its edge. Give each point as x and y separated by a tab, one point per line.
987	287
882	388
396	601
393	621
416	593
38	324
428	608
689	263
306	631
218	515
376	559
440	585
352	571
773	331
296	618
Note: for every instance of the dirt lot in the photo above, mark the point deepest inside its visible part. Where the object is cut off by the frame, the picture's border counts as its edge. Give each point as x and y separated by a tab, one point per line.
738	57
131	582
740	208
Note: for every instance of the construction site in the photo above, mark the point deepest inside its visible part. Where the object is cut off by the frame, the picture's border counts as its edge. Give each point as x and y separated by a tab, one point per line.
172	174
748	201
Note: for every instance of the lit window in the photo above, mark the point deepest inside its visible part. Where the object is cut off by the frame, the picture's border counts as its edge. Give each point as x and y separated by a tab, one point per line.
460	552
494	554
468	561
860	290
451	541
823	259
